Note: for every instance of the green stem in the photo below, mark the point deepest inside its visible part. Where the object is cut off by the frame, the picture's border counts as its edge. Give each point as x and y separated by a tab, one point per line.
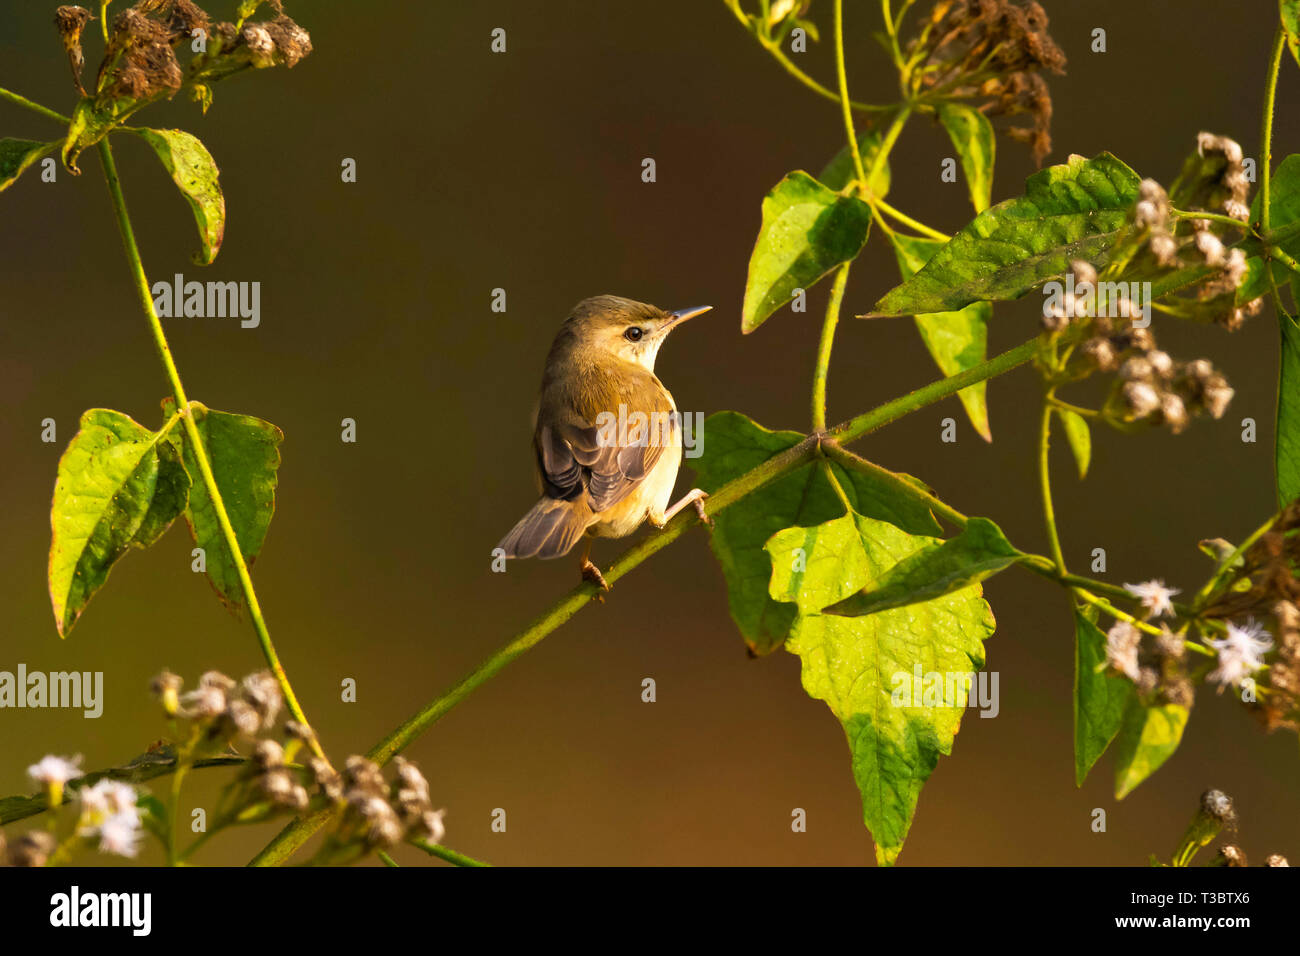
868	422
195	440
1045	482
444	853
845	108
822	369
1266	127
1210	217
35	107
177	778
774	48
908	221
1226	566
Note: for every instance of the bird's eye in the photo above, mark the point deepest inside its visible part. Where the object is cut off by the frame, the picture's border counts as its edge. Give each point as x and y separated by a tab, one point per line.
634	334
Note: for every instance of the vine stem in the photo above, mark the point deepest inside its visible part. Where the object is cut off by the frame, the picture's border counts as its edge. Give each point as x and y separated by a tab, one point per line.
1266	127
1045	481
141	283
300	830
846	108
822	369
24	102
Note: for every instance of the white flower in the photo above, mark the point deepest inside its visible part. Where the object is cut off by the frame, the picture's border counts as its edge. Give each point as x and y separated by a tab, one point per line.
432	824
1240	653
120	834
1155	597
1122	649
108	798
54	770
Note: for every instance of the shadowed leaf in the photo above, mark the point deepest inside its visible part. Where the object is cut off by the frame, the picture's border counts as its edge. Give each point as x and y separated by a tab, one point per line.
839	172
1100	698
17	155
245	455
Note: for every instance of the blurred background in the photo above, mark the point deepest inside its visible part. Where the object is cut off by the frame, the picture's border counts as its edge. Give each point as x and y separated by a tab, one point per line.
522	171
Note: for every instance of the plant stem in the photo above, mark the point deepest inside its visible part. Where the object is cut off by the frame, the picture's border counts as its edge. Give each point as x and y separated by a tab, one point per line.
444	853
1210	217
1045	481
195	440
35	107
845	108
1266	127
891	411
822	368
908	221
789	65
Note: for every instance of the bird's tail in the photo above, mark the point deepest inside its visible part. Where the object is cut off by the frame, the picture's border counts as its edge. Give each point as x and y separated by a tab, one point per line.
549	530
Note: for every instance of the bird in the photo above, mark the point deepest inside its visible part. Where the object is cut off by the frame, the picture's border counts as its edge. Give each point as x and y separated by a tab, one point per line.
607	439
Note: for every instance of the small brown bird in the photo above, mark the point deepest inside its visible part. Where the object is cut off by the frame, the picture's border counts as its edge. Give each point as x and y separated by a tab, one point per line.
607	437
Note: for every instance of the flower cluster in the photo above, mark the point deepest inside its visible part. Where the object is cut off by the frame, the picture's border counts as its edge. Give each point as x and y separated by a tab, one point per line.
140	62
223	708
992	52
380	814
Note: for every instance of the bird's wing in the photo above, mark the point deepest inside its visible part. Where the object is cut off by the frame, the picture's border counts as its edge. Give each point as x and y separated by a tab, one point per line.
605	462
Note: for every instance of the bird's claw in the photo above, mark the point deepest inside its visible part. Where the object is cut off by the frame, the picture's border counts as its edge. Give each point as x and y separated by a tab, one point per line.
704	515
591	574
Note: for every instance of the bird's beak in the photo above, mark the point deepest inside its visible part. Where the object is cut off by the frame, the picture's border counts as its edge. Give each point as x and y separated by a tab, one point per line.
681	315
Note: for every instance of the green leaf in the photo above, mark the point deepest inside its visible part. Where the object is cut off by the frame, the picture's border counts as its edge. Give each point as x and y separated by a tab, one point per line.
956	340
1148	737
1072	211
1283	209
1290	14
245	456
194	172
807	231
979	552
1078	436
972	136
839	172
864	667
1100	698
735	445
1287	441
119	486
16	155
146	766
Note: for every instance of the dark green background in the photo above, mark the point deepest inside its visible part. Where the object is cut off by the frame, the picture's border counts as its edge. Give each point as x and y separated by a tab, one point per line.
522	171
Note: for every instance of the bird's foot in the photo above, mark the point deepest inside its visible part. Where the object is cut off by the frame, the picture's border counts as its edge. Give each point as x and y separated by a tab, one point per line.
591	574
699	510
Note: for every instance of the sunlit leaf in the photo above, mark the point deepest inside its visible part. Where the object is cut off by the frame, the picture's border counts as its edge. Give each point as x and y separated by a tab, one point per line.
807	231
119	486
865	668
933	570
1072	211
1147	738
1287	445
194	172
1290	14
1078	436
734	445
956	340
972	136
